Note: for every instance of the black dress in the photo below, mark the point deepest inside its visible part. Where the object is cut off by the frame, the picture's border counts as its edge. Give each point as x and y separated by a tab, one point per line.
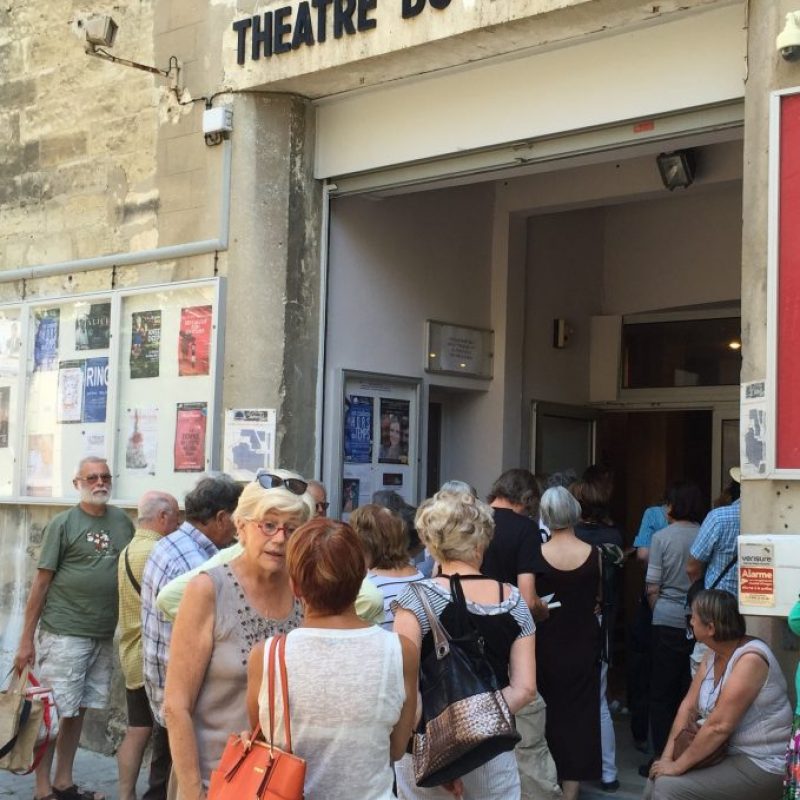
567	670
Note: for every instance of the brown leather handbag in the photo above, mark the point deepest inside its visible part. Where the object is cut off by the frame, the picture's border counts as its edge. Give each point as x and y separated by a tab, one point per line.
684	739
261	771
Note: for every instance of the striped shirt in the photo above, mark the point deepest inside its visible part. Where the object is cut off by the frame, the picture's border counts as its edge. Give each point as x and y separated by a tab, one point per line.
391	588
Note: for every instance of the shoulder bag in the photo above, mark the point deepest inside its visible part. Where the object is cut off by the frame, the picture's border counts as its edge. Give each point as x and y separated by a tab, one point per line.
697	587
260	770
465	720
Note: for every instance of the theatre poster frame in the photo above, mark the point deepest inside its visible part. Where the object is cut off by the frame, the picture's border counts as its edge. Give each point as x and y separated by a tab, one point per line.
185	389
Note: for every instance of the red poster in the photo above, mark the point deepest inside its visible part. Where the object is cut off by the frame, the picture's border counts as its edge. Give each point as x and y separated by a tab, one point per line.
194	339
190	437
788	356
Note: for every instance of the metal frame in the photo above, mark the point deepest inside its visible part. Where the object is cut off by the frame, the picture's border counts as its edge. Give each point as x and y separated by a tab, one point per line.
115	296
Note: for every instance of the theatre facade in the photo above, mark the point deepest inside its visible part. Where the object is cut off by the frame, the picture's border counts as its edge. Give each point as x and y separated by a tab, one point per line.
392	242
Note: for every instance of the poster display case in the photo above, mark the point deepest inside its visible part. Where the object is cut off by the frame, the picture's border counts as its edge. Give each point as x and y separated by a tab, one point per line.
128	375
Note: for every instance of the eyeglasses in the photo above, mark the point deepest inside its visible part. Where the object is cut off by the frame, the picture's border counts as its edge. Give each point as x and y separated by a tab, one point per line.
269	528
269	481
105	477
322	507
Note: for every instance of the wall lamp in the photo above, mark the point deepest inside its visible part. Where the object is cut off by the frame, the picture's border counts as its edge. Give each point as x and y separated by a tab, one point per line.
101	31
677	169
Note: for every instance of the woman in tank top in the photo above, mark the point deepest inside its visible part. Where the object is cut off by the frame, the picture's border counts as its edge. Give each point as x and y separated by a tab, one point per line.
224	612
738	697
456	527
352	685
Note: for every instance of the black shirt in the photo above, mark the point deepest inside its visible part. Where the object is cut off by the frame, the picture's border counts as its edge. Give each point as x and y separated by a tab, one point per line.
515	549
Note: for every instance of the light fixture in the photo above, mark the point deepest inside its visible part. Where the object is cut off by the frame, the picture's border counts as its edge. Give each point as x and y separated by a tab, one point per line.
101	31
677	169
735	344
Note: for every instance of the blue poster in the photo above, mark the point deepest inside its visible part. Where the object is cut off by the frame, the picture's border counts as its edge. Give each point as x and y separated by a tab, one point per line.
95	390
45	342
358	430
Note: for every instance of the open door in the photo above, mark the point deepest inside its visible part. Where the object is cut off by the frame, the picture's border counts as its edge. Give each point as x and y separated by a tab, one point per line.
563	438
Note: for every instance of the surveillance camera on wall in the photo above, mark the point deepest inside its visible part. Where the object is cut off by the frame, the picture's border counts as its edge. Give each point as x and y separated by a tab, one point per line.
100	30
788	41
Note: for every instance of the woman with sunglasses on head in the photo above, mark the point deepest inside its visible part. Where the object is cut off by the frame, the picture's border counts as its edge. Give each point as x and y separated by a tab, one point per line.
226	610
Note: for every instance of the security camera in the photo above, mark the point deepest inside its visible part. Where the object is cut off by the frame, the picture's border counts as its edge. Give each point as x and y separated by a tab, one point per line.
100	30
788	41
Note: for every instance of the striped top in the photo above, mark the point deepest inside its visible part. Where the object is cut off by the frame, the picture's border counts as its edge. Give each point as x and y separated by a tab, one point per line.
391	588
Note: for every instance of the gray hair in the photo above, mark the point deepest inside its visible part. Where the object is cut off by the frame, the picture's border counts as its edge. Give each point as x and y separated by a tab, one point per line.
458	487
559	509
151	504
89	460
211	495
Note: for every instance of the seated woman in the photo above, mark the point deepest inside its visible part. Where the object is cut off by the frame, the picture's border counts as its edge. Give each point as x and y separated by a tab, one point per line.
738	696
456	528
352	685
385	544
224	612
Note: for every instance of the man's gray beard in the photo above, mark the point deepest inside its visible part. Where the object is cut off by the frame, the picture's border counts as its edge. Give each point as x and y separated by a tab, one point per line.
94	500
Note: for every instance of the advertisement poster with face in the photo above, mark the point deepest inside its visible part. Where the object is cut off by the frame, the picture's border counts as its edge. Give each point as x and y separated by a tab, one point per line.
70	391
45	340
145	344
194	338
92	329
394	431
190	437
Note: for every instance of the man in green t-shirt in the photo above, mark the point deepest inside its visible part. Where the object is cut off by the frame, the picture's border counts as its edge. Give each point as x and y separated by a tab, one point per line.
73	600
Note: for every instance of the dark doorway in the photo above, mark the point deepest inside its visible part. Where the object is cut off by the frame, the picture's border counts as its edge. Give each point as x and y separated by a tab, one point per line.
434	463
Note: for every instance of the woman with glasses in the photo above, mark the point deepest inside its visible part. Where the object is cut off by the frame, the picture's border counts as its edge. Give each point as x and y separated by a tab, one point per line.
226	610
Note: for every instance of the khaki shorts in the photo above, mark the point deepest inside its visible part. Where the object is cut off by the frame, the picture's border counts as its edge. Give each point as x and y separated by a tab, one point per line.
77	669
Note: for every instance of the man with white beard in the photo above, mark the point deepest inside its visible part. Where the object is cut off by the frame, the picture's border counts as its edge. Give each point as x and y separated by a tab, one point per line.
73	600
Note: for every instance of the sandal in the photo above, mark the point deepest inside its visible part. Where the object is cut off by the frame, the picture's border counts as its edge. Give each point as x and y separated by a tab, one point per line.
75	792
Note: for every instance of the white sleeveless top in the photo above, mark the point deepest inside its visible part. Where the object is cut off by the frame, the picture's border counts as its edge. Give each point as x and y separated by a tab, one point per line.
763	731
345	695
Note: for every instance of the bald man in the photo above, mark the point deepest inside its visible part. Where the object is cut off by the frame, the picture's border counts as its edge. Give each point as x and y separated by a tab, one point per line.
320	495
158	517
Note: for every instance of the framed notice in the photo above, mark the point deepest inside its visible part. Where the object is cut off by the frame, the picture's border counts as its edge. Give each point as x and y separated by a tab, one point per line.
459	350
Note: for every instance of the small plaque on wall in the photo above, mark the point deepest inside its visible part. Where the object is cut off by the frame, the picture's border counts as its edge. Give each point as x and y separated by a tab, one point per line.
459	350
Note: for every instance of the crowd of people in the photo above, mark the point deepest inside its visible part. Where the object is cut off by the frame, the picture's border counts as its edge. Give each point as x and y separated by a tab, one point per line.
533	574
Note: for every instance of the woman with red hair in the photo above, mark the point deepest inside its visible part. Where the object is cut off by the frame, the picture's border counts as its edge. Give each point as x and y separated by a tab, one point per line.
352	685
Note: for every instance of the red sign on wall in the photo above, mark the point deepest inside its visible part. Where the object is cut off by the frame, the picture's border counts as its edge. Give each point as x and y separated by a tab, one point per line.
787	444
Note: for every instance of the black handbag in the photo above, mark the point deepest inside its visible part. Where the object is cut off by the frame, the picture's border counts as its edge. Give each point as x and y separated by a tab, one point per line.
465	720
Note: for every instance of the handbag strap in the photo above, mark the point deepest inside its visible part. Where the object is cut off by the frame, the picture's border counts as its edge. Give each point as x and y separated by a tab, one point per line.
441	639
724	572
136	585
277	652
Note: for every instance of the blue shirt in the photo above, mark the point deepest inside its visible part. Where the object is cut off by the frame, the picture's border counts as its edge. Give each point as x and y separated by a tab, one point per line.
715	546
654	519
175	554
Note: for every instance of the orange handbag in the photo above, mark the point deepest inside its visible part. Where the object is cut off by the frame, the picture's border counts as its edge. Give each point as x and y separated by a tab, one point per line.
262	771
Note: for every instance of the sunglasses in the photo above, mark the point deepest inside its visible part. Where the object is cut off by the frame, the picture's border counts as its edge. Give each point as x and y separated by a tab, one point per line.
269	481
322	507
94	477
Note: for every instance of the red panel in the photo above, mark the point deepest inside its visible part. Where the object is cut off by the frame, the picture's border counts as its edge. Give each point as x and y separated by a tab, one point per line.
788	383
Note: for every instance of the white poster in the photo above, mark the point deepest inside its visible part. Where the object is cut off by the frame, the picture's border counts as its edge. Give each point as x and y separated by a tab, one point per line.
70	391
94	444
752	430
249	441
141	444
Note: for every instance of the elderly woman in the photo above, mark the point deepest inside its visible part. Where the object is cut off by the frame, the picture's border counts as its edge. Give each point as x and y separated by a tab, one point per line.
738	697
352	686
456	528
568	644
385	544
224	613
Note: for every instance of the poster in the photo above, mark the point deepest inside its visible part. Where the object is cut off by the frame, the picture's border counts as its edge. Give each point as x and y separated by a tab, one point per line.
358	430
45	340
145	344
752	430
39	478
141	444
93	444
757	574
70	391
95	389
194	338
92	329
249	441
350	492
394	431
10	347
190	437
5	411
